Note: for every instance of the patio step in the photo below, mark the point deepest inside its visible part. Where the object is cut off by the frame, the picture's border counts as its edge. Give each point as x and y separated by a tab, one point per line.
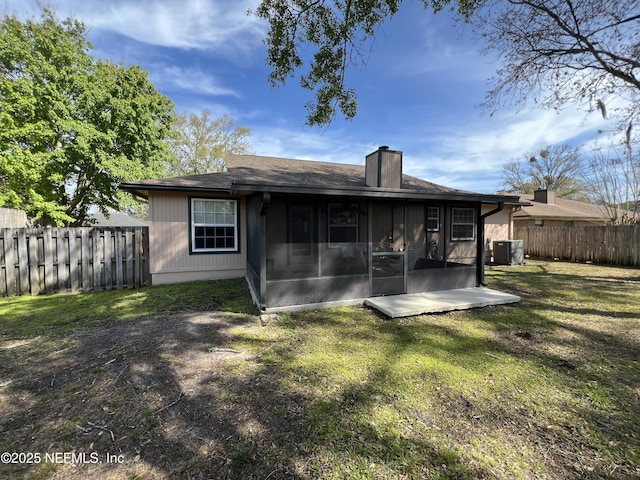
409	304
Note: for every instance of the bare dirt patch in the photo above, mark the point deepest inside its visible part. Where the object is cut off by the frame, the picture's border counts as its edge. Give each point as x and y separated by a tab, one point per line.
156	397
544	389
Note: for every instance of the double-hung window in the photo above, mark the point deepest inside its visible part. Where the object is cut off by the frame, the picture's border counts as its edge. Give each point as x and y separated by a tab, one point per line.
214	225
463	223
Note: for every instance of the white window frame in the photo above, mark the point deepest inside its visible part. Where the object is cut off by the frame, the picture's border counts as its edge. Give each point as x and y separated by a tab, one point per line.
437	218
458	223
332	226
208	224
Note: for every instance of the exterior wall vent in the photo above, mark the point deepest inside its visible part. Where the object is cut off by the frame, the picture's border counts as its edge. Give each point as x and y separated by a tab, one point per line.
384	168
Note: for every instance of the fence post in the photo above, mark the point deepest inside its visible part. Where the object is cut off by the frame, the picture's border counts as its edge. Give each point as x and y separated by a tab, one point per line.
61	259
3	284
23	261
118	247
9	261
108	282
34	263
145	250
137	258
73	260
129	250
47	236
86	254
97	270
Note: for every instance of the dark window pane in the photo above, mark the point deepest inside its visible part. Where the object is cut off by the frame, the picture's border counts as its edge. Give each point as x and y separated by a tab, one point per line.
199	242
199	231
343	234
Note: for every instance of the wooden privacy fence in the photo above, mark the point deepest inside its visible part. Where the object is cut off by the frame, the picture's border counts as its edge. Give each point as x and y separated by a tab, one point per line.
614	245
48	260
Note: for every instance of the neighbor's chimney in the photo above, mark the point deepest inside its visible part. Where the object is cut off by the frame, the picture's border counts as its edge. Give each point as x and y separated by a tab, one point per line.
384	168
545	196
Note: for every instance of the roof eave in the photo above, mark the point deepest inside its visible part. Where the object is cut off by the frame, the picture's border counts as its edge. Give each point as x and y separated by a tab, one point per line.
372	192
143	189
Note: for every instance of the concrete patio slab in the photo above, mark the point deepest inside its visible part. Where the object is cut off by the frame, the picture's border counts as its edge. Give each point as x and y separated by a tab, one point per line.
409	304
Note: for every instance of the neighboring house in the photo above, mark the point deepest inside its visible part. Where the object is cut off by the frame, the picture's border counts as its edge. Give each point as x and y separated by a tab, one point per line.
116	219
546	209
12	218
499	227
305	232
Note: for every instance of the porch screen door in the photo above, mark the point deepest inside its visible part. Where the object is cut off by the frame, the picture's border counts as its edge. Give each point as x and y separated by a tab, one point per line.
387	273
302	249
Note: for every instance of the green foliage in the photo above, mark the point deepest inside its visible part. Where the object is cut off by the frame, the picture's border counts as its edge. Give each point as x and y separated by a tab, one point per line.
337	33
554	53
73	127
200	144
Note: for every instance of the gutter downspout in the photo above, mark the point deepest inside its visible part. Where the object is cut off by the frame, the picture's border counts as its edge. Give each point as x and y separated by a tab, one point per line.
481	254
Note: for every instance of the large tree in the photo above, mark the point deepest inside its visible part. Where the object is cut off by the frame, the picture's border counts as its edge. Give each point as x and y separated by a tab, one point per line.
72	127
200	143
338	33
564	52
557	168
613	177
554	52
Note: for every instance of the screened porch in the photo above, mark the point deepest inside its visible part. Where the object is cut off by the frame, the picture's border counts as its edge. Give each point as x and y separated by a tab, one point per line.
305	249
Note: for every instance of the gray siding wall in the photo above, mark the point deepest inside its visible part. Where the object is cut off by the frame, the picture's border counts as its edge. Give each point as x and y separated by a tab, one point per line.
169	243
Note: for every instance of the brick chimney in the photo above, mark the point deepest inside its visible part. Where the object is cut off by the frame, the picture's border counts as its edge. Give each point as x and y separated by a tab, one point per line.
545	196
384	168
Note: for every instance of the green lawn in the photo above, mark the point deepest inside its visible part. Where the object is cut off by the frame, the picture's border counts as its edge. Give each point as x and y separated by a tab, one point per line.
27	316
547	388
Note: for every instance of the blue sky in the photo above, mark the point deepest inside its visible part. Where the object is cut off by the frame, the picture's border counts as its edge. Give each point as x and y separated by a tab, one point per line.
420	91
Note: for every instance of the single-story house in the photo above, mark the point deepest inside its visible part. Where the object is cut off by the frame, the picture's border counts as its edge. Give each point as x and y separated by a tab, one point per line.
13	218
307	232
546	209
499	227
115	219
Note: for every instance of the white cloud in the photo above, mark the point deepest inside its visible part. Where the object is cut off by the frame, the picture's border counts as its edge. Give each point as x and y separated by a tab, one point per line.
303	143
472	156
469	158
190	80
186	24
222	25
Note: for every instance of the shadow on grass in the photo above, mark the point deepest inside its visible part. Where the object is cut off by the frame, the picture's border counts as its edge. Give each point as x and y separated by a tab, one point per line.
176	397
158	391
26	316
170	395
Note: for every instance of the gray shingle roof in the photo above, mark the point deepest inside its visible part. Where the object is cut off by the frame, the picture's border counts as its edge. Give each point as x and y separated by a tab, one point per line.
563	208
116	219
258	173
